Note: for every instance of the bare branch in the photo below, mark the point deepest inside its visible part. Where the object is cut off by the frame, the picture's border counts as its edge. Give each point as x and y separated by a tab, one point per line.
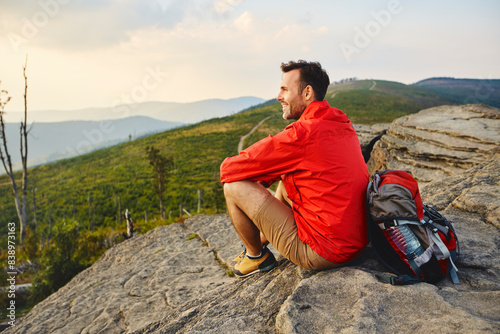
6	159
4	153
24	133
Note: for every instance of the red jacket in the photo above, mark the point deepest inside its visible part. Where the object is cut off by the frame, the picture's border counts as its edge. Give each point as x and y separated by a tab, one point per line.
319	160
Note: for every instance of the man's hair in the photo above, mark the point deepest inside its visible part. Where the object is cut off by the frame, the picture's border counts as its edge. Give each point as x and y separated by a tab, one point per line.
311	73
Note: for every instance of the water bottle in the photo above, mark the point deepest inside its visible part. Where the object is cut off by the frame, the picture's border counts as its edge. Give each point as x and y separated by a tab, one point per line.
406	241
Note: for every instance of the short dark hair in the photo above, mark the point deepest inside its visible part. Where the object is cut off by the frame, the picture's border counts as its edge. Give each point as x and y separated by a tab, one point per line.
311	73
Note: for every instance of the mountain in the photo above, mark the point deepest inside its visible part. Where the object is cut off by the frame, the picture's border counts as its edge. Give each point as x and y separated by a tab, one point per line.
191	112
374	101
53	141
464	91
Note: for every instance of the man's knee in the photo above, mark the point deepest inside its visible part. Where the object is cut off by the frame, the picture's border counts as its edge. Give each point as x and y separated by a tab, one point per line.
229	188
234	190
239	187
247	195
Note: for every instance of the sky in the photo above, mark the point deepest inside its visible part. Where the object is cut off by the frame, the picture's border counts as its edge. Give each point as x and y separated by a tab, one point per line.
103	53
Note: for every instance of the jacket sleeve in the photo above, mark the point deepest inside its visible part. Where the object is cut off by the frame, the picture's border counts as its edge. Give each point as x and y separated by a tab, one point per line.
266	160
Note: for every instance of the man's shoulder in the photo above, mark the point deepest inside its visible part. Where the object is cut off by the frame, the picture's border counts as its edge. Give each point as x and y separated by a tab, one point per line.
294	129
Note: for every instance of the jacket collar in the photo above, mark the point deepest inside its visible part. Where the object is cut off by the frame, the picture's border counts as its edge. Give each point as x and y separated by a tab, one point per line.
312	109
322	110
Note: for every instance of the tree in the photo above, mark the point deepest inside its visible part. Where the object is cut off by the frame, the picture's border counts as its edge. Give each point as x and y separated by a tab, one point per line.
6	160
161	166
60	262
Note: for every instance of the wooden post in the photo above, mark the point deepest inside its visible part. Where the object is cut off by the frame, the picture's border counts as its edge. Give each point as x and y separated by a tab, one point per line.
34	207
130	224
90	213
199	200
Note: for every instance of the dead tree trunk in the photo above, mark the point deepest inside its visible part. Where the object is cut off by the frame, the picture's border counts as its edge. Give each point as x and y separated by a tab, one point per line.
130	224
24	155
7	161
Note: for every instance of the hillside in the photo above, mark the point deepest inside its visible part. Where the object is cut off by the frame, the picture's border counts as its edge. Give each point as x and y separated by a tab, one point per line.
379	101
464	91
120	176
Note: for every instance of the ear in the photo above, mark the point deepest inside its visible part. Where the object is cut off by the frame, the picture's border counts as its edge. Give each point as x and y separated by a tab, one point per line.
308	93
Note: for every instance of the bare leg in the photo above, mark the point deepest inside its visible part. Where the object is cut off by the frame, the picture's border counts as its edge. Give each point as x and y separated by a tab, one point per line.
263	239
283	197
244	199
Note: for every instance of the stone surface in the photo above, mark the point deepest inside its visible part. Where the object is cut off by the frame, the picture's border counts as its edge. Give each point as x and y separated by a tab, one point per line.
368	135
474	191
165	281
351	300
438	142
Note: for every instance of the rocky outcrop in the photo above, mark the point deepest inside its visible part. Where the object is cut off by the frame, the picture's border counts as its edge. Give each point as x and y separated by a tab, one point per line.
439	142
368	135
474	192
166	281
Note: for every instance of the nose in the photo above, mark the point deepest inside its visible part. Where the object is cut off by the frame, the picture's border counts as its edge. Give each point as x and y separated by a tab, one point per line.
279	97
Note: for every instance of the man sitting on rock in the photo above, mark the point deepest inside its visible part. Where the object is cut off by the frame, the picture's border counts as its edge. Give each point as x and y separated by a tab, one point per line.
317	217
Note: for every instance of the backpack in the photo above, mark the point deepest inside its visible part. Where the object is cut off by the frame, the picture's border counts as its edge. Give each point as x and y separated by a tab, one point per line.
413	240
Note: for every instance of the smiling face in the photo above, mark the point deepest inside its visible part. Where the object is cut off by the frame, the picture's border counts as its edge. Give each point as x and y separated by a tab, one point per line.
293	101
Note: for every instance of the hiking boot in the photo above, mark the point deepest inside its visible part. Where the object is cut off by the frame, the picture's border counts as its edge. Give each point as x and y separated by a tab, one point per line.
240	257
248	266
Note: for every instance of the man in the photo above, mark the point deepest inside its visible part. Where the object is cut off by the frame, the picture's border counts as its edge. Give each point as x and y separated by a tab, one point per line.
317	217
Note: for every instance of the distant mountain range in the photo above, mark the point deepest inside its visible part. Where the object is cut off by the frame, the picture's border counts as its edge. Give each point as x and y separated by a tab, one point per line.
80	131
188	113
53	141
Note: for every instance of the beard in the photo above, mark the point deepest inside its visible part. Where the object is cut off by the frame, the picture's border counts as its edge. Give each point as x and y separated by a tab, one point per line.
293	110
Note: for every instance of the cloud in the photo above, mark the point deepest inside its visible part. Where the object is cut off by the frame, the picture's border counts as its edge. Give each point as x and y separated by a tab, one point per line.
76	25
244	22
224	6
226	48
85	25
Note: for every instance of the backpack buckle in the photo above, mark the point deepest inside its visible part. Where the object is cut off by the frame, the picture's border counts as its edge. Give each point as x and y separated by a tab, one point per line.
397	280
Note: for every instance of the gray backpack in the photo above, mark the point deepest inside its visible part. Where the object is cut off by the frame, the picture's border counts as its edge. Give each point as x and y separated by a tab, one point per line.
414	241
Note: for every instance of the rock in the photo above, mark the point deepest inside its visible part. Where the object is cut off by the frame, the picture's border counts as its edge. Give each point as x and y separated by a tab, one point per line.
438	142
368	135
161	283
474	191
134	284
351	300
168	282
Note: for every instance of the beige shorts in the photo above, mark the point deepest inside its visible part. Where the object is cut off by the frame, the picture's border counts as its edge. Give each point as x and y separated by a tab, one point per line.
276	221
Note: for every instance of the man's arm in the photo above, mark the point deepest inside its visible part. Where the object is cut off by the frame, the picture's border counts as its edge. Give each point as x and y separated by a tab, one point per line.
266	160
